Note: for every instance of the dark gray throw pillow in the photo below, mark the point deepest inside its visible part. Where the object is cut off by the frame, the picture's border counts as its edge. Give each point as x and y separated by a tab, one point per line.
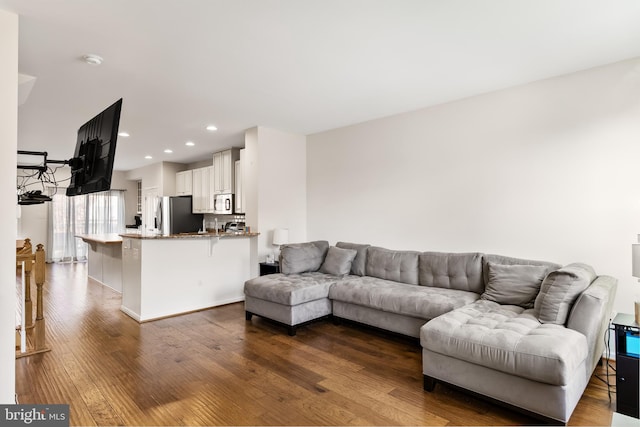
514	284
338	261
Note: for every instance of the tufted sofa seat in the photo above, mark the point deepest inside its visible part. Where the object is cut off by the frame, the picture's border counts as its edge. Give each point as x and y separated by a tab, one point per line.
292	299
422	302
292	289
509	339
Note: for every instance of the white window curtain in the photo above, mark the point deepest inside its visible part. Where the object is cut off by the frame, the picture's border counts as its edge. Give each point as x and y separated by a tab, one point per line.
96	213
104	213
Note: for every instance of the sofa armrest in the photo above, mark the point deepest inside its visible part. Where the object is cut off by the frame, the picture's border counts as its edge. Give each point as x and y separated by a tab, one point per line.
591	314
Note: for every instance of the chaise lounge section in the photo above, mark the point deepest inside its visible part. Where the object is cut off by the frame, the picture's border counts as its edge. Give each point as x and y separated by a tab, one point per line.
522	332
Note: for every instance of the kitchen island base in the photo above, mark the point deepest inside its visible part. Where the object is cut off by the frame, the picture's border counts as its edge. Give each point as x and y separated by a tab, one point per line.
164	277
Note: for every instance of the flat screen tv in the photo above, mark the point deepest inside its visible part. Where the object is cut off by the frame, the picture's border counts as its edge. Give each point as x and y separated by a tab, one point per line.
92	162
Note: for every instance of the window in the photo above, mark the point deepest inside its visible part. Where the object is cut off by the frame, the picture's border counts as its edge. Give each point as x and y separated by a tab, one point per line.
96	213
139	209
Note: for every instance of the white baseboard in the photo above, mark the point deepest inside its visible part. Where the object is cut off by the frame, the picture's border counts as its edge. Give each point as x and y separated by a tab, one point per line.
130	313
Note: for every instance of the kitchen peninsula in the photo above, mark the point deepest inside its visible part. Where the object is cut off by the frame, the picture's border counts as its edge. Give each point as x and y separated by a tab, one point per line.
168	275
104	259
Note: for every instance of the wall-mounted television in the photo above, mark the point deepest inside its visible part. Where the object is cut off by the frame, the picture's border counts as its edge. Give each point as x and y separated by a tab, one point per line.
92	162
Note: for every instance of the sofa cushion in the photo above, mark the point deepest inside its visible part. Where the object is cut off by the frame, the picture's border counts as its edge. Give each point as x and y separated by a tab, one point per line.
509	339
302	257
514	284
417	301
291	289
338	261
399	266
359	263
559	291
452	271
505	260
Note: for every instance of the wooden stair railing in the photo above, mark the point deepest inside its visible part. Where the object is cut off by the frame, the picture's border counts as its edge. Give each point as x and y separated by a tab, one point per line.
35	336
26	249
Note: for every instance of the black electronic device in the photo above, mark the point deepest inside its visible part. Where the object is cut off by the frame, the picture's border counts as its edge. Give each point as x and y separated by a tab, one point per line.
92	162
627	365
33	198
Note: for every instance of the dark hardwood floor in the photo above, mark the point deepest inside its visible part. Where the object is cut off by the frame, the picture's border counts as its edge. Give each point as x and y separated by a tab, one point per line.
215	368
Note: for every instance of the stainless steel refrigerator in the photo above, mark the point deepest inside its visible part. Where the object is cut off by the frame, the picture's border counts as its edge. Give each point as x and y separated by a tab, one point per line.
174	215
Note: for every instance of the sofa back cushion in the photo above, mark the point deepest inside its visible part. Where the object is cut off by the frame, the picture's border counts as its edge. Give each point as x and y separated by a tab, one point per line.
358	266
514	284
559	291
302	257
505	260
452	271
399	266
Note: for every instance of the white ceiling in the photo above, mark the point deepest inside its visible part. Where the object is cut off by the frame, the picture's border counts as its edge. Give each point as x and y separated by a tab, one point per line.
298	66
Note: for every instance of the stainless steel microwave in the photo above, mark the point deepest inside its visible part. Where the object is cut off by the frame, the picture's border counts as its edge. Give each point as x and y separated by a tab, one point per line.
223	204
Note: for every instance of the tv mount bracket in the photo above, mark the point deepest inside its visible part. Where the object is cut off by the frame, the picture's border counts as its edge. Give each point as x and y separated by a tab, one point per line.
43	168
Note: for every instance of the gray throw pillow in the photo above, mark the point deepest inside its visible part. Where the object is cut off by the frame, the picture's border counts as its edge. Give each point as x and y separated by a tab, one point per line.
338	261
559	291
514	284
358	264
302	257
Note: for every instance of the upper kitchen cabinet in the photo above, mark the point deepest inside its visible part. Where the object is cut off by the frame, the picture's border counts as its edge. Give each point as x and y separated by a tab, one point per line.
224	173
239	184
239	206
203	196
184	183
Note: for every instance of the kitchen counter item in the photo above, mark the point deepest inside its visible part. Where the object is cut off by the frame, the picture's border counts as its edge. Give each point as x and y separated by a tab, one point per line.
193	235
234	226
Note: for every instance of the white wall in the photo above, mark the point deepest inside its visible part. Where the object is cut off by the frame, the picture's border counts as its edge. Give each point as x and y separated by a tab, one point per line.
121	181
275	185
151	176
33	223
548	170
9	143
169	170
161	175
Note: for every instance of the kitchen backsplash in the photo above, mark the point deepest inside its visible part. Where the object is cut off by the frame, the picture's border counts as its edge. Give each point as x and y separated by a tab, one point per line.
210	219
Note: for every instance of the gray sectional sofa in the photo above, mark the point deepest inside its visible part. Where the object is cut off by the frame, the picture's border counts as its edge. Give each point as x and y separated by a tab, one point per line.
522	332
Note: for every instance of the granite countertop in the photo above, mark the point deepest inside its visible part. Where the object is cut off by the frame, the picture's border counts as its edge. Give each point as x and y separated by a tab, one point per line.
111	238
195	235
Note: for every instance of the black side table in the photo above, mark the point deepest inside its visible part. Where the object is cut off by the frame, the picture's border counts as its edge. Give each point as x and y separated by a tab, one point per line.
627	363
269	268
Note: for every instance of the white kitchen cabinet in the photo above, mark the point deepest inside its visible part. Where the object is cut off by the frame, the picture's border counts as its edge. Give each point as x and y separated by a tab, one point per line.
210	193
184	183
239	208
223	163
218	169
203	194
149	208
197	206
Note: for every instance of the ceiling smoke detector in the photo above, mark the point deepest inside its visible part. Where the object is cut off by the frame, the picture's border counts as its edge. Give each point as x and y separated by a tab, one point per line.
92	59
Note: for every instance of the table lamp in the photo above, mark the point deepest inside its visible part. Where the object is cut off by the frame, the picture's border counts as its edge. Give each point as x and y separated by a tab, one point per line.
280	237
635	267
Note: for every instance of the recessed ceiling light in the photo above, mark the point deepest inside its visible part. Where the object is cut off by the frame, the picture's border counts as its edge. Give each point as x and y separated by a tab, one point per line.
211	128
190	143
168	151
148	157
92	59
124	134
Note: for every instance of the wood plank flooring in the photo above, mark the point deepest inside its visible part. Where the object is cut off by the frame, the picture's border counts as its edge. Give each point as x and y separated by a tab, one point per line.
215	368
